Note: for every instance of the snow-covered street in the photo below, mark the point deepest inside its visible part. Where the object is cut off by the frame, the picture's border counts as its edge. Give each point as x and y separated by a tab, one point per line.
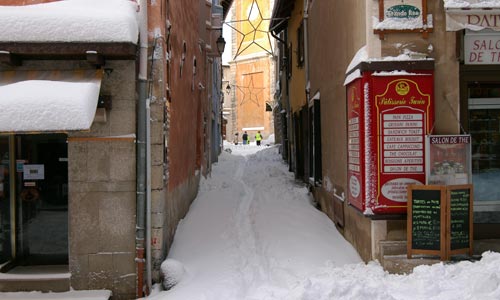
252	233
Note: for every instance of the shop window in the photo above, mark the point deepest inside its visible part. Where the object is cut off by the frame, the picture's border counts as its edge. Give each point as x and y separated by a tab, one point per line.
484	128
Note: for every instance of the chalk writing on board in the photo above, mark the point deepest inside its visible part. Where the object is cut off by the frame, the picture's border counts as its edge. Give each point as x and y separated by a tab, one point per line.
426	219
459	218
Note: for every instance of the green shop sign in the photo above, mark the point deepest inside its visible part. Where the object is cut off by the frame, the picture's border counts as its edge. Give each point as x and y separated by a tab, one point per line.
402	11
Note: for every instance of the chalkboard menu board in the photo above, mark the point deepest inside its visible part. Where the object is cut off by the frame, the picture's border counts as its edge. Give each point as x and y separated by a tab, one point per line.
426	220
460	218
440	220
426	223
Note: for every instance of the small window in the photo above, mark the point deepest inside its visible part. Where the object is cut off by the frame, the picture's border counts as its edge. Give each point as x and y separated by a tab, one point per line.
194	66
194	73
183	57
300	46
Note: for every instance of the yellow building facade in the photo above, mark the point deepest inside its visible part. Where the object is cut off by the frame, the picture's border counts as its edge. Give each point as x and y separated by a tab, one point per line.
250	77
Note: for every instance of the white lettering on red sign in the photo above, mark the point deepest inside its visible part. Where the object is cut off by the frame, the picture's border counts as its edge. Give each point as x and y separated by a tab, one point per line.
403	143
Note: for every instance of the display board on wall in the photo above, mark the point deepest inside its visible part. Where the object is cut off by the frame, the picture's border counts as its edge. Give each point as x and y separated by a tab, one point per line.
389	116
448	159
440	220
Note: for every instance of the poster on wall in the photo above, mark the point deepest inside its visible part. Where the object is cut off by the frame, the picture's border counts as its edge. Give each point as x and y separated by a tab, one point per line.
449	159
33	172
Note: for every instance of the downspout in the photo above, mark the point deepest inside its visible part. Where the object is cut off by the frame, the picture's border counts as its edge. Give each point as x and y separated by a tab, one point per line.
141	146
308	84
306	50
148	197
286	146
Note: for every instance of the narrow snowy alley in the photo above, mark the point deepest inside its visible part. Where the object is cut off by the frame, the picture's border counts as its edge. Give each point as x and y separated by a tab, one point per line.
252	234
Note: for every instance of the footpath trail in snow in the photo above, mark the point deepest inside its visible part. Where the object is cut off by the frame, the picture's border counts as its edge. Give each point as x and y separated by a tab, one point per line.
252	234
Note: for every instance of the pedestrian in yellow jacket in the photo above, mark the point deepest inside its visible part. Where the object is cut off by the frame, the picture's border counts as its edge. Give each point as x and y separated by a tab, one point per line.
258	138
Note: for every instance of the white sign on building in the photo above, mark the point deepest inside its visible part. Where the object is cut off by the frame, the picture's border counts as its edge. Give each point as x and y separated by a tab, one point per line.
482	48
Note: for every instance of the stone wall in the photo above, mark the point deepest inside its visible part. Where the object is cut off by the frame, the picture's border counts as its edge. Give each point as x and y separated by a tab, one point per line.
102	192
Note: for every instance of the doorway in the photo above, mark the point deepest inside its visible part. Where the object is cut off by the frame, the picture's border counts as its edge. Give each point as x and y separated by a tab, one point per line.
480	117
6	232
39	205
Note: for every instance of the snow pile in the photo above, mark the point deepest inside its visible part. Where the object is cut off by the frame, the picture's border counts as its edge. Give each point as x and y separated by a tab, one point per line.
172	272
464	280
269	141
71	21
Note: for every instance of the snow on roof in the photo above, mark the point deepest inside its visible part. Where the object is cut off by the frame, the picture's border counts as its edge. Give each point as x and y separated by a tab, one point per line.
70	21
398	73
362	56
352	76
471	3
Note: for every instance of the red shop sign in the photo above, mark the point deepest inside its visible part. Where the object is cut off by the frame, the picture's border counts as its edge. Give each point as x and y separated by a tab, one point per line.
395	115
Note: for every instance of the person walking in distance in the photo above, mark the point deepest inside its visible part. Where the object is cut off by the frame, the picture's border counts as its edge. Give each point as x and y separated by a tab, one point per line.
258	138
236	138
245	138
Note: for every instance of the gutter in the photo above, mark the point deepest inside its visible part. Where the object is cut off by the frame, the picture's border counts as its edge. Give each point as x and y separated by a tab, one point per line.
141	148
306	49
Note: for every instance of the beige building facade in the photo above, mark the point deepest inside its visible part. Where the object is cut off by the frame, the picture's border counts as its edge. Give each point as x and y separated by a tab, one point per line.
345	41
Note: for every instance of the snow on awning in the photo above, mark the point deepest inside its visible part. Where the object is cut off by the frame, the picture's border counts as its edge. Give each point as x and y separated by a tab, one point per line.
34	101
472	14
71	21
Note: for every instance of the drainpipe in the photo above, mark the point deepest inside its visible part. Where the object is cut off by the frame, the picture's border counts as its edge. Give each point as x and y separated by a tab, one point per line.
308	84
141	145
149	276
306	50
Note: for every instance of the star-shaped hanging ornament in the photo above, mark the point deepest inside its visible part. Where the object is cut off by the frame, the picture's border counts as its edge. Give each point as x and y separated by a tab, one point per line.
254	30
250	92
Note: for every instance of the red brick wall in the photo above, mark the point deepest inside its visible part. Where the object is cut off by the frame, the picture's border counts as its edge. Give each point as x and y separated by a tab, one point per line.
188	104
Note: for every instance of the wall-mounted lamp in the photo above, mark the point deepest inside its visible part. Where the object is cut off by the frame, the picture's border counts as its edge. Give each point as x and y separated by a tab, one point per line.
228	88
108	71
221	44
